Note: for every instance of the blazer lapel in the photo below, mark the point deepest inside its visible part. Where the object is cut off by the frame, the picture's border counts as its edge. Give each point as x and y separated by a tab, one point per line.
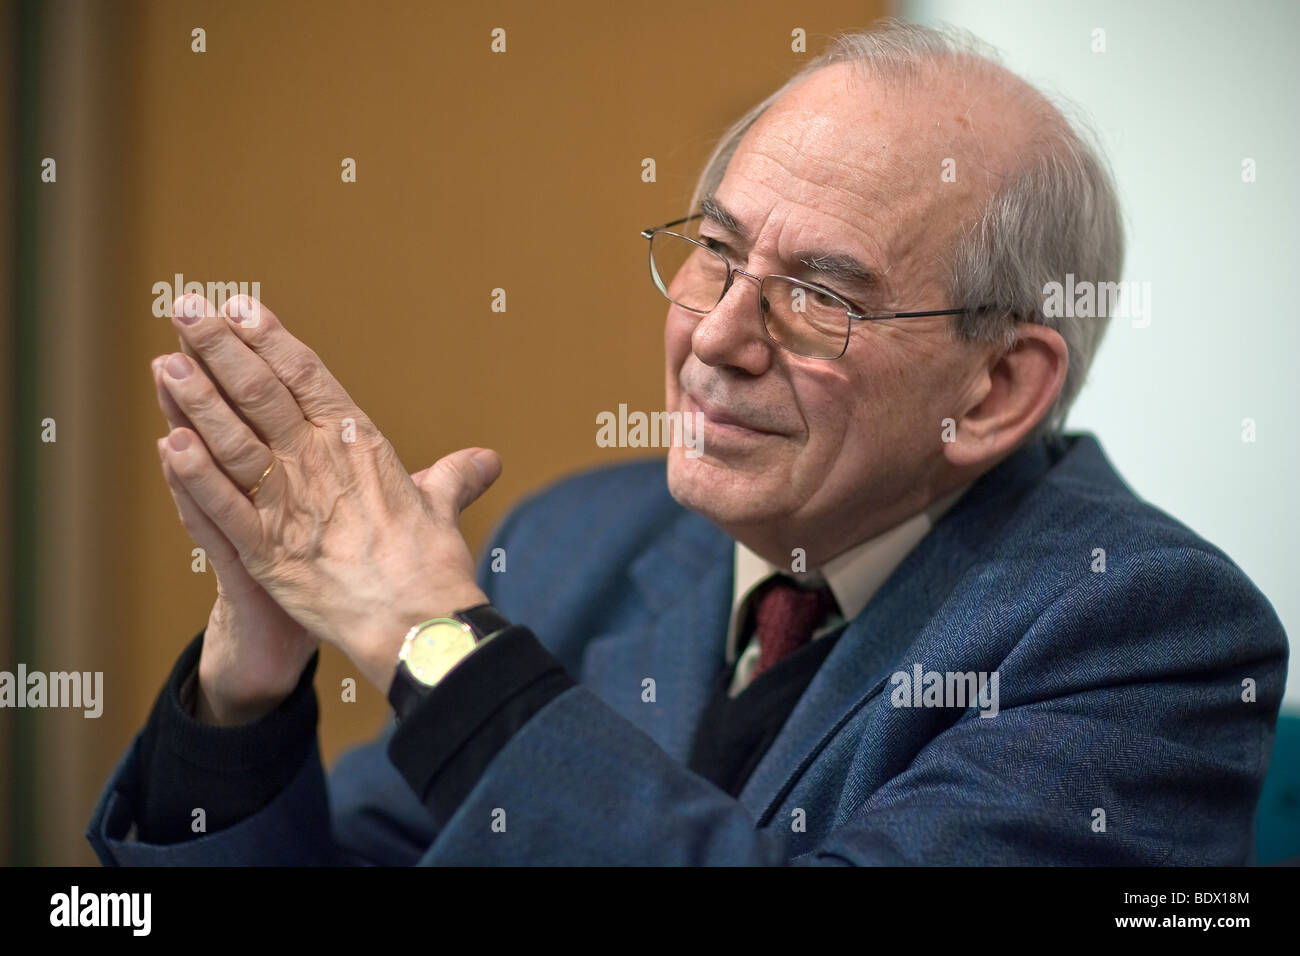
675	635
867	652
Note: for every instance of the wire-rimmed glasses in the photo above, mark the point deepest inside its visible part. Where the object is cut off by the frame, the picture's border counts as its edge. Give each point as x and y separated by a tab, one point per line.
803	317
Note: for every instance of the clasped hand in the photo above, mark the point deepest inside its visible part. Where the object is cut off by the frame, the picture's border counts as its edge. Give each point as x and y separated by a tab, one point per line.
337	533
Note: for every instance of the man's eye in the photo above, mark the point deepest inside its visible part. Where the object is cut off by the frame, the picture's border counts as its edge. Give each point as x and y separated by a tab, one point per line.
715	244
829	297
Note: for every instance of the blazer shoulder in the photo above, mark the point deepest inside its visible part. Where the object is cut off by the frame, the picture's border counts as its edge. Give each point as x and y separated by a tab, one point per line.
1083	525
1086	497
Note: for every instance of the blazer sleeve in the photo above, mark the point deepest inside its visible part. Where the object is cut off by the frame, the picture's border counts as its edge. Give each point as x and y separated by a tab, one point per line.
1135	724
365	813
292	830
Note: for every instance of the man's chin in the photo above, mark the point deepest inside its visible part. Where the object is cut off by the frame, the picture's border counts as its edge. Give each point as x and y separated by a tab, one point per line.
727	494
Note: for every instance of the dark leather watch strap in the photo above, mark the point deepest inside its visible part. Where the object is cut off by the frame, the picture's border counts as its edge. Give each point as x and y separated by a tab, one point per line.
484	620
404	693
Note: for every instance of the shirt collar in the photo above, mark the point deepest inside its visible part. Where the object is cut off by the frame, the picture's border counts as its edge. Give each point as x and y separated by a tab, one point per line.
853	577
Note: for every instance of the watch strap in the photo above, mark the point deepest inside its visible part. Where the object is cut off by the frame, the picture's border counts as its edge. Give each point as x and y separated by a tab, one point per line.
484	620
405	692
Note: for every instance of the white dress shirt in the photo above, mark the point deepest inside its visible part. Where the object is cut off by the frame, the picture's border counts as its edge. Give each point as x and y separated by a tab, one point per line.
853	578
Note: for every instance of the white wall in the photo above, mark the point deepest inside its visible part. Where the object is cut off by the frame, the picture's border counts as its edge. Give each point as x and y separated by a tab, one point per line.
1182	94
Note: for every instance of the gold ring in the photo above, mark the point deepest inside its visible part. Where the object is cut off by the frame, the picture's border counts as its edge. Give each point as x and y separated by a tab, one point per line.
253	490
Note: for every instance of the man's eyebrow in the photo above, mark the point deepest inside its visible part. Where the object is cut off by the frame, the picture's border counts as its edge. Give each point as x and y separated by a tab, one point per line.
837	265
833	265
712	209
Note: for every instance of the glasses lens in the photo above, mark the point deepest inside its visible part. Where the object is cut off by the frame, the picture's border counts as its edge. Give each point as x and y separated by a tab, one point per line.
805	319
688	273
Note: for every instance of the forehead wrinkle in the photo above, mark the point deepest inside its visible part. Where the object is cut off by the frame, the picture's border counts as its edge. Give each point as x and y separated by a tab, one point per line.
869	189
876	196
868	155
858	209
854	250
901	155
863	169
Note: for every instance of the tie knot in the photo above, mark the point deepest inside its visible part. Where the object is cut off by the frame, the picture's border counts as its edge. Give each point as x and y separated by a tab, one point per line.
785	617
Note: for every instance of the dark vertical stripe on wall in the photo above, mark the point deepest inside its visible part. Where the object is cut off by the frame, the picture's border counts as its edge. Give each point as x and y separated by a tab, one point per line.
25	427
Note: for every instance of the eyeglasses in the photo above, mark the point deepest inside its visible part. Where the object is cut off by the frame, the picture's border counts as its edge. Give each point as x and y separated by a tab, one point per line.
804	318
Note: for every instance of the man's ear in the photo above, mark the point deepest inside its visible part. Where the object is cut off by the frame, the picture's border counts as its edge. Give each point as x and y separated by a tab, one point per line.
1022	382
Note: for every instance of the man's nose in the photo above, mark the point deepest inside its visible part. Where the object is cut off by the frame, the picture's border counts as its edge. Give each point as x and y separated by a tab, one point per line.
732	334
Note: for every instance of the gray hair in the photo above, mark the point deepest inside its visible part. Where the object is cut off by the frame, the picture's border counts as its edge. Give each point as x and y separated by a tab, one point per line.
1056	215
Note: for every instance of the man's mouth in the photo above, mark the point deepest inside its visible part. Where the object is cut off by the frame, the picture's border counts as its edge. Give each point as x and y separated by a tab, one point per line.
726	420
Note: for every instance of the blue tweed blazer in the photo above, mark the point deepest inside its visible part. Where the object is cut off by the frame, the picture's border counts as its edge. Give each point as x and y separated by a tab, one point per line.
1135	715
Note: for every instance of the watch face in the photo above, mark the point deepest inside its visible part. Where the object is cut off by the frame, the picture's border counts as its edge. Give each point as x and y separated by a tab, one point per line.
437	648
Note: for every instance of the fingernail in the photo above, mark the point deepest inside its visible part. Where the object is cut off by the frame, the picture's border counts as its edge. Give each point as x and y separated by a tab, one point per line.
179	440
178	366
246	312
484	464
192	310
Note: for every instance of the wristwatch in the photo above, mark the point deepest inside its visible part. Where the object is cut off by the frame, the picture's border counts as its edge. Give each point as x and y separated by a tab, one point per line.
434	647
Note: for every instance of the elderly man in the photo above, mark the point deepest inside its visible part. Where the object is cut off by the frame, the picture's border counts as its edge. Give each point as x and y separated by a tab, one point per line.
889	615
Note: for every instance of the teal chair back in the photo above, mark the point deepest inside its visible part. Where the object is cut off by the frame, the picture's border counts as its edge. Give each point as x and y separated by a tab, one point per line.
1277	823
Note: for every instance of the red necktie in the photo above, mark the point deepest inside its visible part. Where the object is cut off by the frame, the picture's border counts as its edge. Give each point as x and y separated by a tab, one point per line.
785	617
